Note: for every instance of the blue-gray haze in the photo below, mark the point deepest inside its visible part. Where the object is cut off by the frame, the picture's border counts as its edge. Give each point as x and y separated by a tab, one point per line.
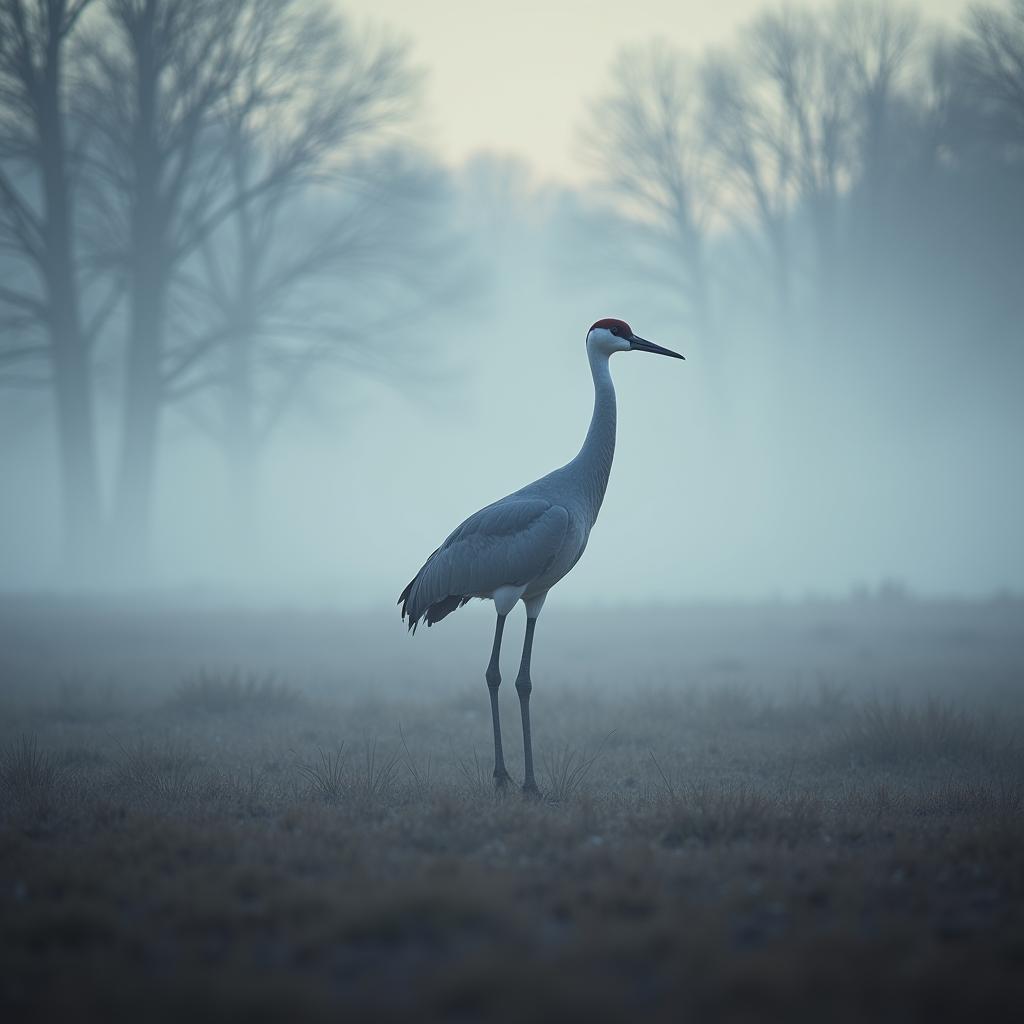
873	434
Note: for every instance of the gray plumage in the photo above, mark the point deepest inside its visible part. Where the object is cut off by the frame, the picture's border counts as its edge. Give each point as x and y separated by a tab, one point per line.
513	542
521	545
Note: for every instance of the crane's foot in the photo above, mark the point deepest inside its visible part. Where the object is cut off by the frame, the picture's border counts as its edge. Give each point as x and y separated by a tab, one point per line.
501	779
530	790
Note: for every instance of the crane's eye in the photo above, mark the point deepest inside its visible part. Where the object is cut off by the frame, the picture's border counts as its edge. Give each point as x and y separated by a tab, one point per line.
615	331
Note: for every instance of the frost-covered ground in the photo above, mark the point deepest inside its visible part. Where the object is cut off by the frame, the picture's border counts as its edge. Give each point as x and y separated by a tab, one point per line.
808	811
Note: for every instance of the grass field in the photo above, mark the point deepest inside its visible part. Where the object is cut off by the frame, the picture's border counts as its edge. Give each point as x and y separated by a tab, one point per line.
806	811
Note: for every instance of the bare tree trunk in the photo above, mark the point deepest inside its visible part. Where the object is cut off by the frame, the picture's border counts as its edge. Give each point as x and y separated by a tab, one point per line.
140	420
72	378
143	388
76	451
143	384
241	446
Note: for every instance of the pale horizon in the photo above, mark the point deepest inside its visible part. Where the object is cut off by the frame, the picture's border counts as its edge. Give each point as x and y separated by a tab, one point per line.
476	97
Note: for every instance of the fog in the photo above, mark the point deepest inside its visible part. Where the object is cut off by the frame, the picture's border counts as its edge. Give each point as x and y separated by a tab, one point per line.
291	288
840	269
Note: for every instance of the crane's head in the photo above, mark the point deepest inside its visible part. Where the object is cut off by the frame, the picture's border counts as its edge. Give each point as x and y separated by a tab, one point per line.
610	335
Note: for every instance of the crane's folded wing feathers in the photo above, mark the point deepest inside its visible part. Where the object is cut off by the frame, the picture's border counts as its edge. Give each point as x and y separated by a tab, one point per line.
509	543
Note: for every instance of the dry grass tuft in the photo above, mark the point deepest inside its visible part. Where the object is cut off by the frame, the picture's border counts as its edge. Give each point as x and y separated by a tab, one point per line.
374	778
31	777
892	733
327	776
477	778
365	783
247	791
422	776
165	771
231	694
35	787
566	769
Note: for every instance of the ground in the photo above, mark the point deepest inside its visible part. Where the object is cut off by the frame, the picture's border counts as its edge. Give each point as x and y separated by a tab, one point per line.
798	811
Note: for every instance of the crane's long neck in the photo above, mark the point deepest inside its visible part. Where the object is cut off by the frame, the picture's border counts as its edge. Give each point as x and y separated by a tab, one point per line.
594	462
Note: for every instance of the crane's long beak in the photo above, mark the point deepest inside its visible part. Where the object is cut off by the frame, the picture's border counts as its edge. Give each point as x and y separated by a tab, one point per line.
648	346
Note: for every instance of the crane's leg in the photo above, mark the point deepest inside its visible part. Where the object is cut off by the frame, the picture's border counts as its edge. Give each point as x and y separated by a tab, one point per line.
501	776
524	686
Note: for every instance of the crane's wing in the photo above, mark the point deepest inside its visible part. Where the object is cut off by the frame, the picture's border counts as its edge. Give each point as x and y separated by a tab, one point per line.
508	543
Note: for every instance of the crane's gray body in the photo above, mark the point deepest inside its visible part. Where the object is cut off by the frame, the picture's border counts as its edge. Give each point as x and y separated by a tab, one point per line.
521	545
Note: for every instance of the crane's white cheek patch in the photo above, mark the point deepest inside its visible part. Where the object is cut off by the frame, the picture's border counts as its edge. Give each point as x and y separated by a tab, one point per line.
602	340
505	598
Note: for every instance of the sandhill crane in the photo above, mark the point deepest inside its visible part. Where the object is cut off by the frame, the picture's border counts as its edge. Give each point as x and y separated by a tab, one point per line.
518	548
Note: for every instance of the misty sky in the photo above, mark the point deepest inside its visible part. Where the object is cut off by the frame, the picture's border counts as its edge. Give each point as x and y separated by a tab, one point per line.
762	475
514	77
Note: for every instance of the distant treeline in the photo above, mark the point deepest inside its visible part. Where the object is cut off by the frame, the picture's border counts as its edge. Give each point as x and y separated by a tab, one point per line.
845	180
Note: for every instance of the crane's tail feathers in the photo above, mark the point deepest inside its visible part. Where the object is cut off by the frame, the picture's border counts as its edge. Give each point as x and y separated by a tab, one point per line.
403	600
431	613
439	609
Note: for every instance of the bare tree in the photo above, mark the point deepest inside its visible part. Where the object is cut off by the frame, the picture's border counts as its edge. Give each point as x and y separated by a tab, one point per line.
311	213
306	294
160	72
802	84
876	40
44	338
644	141
777	115
798	114
204	113
748	139
992	56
